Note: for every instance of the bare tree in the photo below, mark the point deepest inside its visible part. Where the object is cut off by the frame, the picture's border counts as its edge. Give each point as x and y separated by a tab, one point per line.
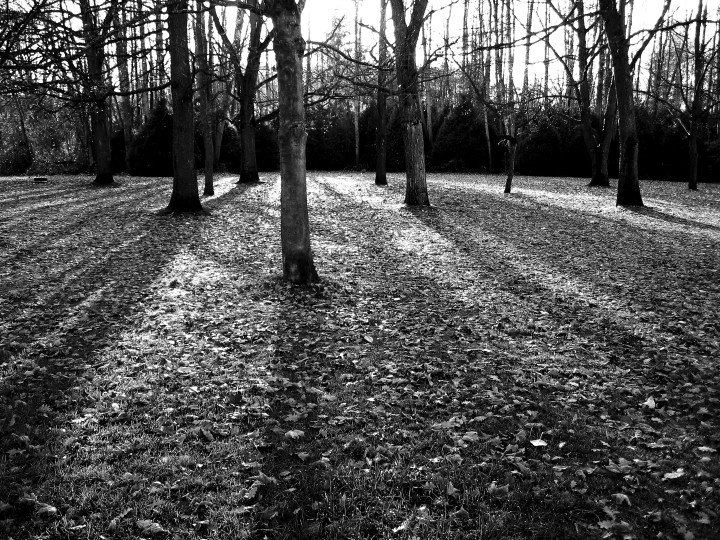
125	105
406	37
204	89
184	196
619	43
289	46
96	27
381	130
246	82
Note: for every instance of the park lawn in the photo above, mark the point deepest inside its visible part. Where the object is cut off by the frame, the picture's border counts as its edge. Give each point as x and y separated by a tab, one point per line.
534	365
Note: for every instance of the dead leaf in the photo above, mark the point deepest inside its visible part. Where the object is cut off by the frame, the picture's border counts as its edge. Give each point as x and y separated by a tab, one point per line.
674	475
147	526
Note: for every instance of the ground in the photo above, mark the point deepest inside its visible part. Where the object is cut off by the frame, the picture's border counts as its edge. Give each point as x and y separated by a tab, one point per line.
534	365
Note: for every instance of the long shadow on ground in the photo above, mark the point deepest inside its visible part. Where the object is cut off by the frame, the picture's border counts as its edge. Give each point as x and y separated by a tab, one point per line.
58	316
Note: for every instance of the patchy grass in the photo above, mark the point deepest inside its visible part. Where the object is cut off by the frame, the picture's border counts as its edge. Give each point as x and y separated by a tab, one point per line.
538	365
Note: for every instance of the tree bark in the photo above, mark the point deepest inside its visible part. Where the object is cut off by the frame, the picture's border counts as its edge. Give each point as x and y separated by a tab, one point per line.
693	169
246	83
204	88
601	177
512	152
528	37
298	265
381	129
581	89
126	111
95	56
248	91
697	108
184	196
406	37
628	182
356	105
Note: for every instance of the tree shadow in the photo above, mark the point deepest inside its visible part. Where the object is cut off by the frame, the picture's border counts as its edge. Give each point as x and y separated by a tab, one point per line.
61	308
418	299
657	214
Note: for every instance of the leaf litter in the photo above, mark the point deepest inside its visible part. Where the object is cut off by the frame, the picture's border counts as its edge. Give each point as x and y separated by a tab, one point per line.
540	364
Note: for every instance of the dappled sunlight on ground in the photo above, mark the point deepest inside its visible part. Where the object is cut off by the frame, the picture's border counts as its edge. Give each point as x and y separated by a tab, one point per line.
492	363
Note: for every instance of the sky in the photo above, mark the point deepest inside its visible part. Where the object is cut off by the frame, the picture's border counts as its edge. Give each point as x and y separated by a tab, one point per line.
318	17
319	14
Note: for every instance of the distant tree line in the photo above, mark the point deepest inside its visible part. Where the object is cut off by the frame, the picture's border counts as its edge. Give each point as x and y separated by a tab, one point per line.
167	87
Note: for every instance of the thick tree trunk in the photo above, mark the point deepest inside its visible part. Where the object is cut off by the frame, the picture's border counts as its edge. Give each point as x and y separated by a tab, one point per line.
204	88
101	139
697	108
582	91
298	265
381	141
184	196
628	182
95	56
406	37
248	154
126	111
601	176
248	85
381	129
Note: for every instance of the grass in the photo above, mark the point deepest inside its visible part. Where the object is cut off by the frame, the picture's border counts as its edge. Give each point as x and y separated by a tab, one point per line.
539	365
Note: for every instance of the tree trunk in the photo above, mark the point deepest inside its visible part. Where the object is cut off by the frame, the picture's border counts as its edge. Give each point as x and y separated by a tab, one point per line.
512	152
101	138
159	52
693	170
247	82
406	37
601	178
204	88
95	56
427	87
488	140
546	61
528	37
381	129
628	183
697	107
356	105
126	112
582	90
298	265
184	196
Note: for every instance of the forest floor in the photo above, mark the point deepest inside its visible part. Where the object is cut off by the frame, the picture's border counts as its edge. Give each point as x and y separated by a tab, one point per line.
534	365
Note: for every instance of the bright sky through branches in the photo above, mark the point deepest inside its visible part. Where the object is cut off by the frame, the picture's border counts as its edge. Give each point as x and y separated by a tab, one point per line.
319	15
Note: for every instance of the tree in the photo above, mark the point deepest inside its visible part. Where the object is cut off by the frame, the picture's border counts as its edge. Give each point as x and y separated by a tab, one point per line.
204	90
596	143
692	73
619	43
126	113
289	46
184	196
96	33
382	120
406	37
246	82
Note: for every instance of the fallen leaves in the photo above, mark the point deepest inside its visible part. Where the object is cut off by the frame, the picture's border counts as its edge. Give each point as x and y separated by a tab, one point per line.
494	357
